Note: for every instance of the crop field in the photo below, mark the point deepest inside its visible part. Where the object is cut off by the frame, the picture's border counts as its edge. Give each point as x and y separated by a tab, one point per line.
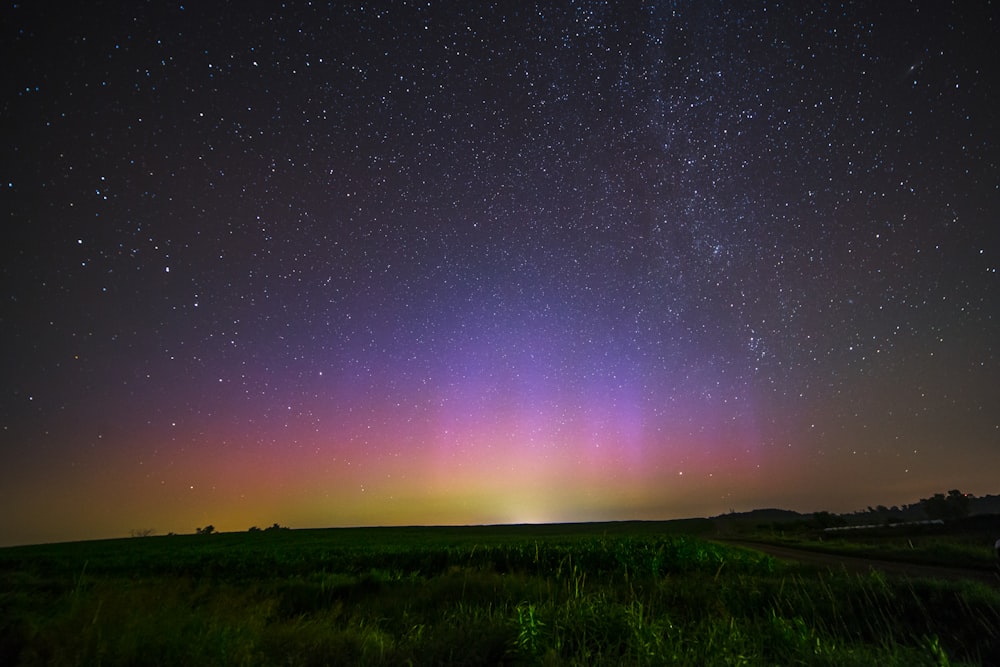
585	594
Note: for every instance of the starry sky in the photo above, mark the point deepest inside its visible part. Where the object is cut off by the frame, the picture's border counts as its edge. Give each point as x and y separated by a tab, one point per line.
383	263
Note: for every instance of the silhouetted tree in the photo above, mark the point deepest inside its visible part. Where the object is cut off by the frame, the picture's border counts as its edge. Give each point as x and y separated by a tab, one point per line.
142	532
959	503
828	520
935	507
207	530
953	506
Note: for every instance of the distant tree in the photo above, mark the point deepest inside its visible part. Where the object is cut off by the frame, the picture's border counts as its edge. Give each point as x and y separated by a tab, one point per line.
959	503
935	507
828	520
254	529
276	526
142	532
207	530
953	506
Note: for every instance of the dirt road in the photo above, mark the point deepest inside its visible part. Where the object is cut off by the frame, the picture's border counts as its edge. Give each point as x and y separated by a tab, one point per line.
838	562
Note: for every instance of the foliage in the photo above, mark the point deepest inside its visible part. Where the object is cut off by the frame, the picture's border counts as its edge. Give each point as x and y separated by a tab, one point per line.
501	595
827	520
953	506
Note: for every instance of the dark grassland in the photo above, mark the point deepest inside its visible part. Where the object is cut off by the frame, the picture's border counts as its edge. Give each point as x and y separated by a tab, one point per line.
962	543
645	593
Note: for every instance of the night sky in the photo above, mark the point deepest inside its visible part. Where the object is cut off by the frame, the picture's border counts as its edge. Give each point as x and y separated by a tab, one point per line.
427	263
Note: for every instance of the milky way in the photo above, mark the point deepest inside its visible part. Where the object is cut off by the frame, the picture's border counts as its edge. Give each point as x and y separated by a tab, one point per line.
421	263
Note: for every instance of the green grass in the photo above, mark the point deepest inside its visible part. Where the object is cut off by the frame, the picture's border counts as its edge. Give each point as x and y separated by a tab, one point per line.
920	549
527	595
962	543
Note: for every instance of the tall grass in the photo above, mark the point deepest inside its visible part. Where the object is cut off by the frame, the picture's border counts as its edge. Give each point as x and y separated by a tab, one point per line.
580	599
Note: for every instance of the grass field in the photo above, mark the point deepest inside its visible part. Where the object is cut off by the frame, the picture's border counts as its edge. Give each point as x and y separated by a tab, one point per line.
587	594
962	543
